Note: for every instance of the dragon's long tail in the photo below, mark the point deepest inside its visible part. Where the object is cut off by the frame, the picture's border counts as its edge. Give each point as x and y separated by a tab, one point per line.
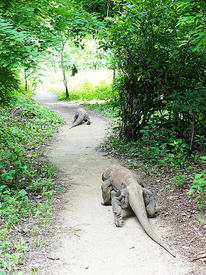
136	202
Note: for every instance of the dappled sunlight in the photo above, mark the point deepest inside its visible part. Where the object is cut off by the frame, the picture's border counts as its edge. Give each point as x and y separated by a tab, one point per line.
52	80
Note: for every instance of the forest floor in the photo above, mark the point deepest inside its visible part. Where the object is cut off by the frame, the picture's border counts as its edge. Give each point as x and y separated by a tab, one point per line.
82	238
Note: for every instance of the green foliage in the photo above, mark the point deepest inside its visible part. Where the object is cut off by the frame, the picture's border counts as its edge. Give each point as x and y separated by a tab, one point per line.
159	74
9	84
192	22
90	55
25	173
29	30
152	152
155	147
86	91
109	107
100	7
179	180
14	258
198	187
24	36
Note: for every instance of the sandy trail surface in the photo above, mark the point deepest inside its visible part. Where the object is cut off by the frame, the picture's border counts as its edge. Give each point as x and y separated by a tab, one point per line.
87	241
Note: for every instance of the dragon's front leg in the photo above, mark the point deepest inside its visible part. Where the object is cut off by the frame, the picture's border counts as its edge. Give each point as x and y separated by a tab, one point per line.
106	192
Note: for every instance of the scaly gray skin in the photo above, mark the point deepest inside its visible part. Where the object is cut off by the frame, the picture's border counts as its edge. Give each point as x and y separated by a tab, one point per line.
129	193
80	116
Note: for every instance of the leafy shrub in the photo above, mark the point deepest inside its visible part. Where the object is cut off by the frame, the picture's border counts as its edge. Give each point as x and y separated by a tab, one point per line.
198	187
154	53
159	150
9	84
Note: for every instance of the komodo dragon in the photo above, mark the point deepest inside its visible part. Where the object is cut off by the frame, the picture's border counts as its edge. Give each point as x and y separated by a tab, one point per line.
129	193
80	116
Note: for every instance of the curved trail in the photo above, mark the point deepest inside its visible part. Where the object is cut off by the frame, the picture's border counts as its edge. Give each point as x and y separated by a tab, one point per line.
87	241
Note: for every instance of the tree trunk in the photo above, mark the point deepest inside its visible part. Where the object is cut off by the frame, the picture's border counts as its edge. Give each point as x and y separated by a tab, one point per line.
193	131
25	80
108	7
63	70
114	75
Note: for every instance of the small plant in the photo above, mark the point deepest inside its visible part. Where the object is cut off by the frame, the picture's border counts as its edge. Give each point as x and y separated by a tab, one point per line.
201	220
198	189
180	180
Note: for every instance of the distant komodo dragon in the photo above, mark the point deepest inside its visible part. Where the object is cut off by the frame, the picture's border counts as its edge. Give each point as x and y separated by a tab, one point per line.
80	117
129	193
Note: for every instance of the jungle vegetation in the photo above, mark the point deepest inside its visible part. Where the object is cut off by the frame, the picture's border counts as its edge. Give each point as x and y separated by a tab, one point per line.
156	50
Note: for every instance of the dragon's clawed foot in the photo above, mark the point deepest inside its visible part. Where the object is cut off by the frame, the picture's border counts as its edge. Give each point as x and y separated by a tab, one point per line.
118	220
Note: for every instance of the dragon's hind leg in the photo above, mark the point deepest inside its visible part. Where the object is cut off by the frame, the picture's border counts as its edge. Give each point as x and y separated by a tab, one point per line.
150	203
87	119
119	201
75	117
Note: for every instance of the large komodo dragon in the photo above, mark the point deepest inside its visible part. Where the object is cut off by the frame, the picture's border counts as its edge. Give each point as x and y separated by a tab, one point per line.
81	116
129	193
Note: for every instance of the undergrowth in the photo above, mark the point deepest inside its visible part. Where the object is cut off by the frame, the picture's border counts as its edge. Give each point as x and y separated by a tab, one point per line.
109	107
26	185
87	91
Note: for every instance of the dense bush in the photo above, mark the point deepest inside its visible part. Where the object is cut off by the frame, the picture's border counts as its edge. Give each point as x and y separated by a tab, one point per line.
162	72
9	84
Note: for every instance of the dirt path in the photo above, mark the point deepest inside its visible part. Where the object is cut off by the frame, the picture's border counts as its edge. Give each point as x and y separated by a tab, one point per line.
87	241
